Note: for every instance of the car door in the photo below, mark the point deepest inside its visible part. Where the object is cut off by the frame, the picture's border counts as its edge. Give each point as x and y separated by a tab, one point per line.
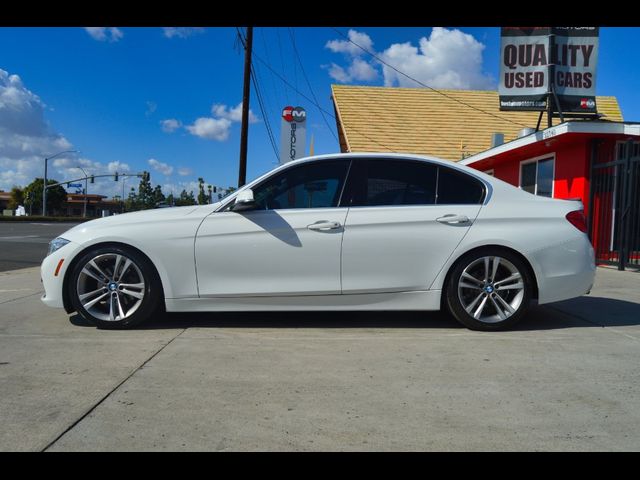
289	245
405	219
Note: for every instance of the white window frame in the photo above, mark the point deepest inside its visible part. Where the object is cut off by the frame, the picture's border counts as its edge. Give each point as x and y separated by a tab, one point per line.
547	156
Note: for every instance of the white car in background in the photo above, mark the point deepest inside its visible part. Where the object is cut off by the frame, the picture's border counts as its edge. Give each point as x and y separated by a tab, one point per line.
333	232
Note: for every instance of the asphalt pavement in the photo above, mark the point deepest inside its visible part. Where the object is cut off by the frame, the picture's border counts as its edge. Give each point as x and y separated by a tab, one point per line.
25	244
566	379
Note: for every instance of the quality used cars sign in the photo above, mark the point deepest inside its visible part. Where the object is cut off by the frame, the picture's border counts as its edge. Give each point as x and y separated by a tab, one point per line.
535	59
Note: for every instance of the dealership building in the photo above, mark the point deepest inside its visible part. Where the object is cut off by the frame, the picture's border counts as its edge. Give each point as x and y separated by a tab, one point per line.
596	161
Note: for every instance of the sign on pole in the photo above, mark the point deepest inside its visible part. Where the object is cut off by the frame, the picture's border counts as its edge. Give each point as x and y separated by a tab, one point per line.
534	61
292	133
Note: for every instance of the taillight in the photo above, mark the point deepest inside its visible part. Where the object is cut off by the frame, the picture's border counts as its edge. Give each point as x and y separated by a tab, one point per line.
576	218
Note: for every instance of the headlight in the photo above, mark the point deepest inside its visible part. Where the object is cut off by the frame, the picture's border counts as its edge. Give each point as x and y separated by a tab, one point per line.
57	244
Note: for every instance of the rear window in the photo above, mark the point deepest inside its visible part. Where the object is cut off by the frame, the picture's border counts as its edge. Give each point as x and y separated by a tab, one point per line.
458	188
386	182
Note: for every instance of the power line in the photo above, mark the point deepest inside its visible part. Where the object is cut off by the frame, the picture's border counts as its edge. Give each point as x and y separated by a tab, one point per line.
282	79
280	99
423	84
333	116
281	56
295	49
264	114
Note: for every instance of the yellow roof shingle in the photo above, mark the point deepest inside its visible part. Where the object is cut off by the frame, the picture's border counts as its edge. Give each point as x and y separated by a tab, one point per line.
423	121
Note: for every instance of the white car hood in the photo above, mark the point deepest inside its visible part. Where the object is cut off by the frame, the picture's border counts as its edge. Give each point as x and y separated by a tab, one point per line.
160	215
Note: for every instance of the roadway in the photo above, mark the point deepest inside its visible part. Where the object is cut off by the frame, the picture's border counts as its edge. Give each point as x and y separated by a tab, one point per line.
25	244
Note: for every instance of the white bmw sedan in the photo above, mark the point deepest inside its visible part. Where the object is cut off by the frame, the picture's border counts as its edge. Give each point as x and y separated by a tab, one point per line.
333	232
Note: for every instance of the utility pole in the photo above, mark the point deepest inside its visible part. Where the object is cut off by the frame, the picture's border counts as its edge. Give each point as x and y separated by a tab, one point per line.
244	135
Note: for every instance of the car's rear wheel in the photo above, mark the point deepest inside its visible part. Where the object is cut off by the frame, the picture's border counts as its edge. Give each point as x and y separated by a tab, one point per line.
489	290
114	287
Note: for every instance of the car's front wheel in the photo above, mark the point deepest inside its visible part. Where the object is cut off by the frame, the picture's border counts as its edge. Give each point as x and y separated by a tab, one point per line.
489	290
114	287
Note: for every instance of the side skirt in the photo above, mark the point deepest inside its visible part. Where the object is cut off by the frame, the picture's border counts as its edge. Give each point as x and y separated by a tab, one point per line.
422	300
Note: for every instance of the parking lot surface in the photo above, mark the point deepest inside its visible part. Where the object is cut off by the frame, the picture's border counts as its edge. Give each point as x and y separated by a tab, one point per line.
566	378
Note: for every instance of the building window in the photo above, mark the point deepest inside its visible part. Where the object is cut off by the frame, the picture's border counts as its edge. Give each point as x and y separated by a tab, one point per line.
537	177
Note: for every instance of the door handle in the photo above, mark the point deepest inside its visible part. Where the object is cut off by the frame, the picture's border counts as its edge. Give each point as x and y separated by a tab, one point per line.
324	225
452	219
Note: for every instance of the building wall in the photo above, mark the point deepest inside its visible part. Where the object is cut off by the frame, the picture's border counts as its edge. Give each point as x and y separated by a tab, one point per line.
571	175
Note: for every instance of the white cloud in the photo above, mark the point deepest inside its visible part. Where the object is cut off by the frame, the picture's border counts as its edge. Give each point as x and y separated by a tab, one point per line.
170	125
359	70
185	171
210	128
234	114
349	47
448	58
163	168
118	166
26	138
181	32
104	34
218	127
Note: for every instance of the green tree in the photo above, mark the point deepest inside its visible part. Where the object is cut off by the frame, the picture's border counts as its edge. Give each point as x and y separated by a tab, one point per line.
56	196
202	197
158	196
131	202
145	192
185	199
17	198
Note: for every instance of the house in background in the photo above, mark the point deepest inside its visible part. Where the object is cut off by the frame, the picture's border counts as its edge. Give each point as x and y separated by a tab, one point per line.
5	198
595	161
97	205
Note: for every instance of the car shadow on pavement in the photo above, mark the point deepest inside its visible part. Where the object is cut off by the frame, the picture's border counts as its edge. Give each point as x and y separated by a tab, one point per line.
297	319
586	311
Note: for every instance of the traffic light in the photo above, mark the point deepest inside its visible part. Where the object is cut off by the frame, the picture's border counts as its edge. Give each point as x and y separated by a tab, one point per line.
115	177
92	179
215	189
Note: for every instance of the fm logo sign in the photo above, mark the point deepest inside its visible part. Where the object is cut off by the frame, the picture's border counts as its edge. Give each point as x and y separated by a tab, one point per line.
587	103
294	114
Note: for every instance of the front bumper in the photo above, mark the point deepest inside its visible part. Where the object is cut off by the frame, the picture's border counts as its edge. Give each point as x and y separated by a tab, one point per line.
52	273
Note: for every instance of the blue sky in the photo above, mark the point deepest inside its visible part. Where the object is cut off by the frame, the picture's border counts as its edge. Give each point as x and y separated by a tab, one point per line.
107	92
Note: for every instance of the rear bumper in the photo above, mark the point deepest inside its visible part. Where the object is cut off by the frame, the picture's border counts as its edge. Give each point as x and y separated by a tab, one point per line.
566	270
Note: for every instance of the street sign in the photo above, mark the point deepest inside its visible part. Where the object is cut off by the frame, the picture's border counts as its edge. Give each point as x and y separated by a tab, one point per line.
75	185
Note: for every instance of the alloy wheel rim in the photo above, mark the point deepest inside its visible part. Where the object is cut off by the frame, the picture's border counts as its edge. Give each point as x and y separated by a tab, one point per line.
111	287
491	289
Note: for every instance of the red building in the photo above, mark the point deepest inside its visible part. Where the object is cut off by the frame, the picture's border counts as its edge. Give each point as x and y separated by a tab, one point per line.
597	162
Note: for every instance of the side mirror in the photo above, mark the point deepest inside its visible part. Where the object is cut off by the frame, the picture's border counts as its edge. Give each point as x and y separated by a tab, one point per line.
244	201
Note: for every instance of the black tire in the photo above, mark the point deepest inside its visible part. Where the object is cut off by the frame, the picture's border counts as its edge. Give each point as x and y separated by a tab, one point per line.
494	313
104	312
